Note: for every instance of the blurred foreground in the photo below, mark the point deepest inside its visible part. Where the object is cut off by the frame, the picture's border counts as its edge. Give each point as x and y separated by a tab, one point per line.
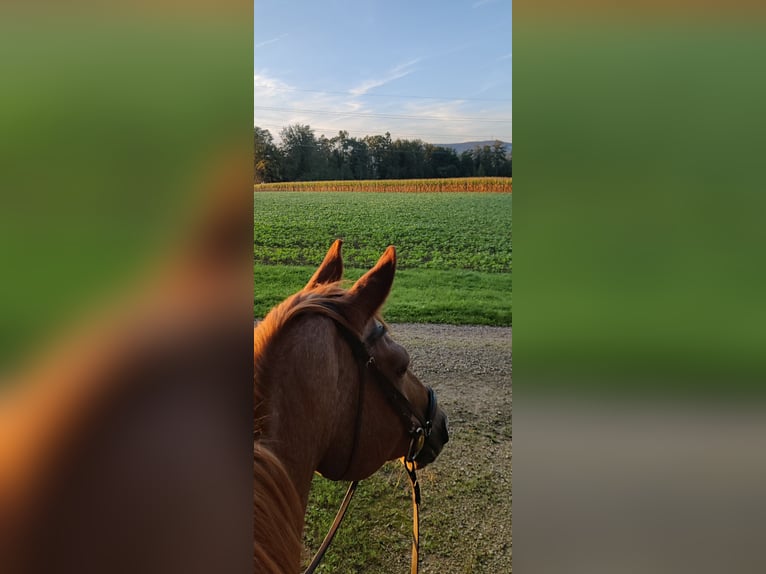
126	315
639	309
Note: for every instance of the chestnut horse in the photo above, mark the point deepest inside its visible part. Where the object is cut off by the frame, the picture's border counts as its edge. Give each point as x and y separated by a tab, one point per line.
333	394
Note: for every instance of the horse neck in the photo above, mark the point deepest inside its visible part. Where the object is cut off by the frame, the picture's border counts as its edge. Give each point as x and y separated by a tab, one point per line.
299	377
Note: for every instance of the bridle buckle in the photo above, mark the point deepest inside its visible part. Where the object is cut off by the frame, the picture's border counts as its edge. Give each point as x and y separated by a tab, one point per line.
417	443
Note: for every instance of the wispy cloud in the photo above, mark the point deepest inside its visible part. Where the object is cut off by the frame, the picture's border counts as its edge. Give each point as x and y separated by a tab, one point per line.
444	122
279	103
394	73
482	3
507	56
271	41
266	86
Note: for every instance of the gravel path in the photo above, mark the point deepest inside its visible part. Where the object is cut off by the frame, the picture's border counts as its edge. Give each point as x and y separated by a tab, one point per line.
470	368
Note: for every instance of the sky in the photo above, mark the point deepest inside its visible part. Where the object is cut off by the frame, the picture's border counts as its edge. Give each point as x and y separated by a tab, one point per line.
436	70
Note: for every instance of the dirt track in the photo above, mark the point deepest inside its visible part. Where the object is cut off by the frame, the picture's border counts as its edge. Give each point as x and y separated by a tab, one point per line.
470	368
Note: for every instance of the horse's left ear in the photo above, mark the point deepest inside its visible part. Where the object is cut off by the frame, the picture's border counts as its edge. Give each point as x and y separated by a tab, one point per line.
331	269
371	290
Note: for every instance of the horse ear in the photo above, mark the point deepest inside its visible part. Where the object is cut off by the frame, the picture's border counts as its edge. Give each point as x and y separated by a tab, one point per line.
331	269
371	290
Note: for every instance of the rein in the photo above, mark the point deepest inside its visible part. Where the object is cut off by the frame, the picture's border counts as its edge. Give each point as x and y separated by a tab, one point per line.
417	429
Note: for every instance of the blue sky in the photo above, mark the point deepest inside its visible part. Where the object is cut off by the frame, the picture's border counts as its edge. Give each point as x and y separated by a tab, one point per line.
438	70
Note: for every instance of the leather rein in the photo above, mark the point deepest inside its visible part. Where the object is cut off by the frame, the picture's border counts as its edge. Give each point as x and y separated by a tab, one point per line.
417	429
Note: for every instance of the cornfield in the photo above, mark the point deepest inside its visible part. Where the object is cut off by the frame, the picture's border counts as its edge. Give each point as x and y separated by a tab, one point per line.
462	184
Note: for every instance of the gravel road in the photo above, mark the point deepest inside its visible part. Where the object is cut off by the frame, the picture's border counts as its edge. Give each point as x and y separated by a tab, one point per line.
470	368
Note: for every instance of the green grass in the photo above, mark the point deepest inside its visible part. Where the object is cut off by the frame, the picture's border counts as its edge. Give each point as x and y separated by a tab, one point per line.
378	523
454	254
418	296
430	230
375	535
376	532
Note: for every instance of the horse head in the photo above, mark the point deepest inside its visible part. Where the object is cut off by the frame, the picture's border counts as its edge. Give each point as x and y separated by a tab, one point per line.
337	392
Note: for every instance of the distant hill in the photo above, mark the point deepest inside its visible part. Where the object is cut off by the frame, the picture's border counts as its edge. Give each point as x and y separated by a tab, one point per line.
461	147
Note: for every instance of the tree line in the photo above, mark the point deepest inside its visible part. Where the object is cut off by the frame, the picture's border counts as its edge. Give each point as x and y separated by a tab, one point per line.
302	156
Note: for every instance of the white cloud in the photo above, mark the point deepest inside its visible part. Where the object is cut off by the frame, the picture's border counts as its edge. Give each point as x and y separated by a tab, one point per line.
279	104
267	42
267	86
393	74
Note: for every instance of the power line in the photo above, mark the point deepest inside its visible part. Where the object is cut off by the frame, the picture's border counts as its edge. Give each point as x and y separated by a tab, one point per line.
395	134
387	116
405	96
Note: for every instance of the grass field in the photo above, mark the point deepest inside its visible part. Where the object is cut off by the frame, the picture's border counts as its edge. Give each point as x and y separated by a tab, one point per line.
380	523
376	533
454	252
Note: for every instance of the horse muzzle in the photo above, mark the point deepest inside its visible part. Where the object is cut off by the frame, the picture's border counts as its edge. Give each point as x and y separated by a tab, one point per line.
435	441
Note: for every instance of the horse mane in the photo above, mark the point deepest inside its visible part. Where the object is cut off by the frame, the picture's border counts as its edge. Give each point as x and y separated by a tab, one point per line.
277	515
323	300
278	511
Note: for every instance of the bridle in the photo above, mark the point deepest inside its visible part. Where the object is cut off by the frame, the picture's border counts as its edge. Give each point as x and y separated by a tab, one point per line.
418	430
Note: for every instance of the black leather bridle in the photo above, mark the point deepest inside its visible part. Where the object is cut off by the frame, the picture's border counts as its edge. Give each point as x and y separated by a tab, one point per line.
418	430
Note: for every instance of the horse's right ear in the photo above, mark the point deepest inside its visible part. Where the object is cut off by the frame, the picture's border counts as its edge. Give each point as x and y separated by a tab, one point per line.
331	269
371	290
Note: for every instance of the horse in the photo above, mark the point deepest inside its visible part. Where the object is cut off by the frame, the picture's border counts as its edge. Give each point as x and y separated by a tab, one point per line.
333	394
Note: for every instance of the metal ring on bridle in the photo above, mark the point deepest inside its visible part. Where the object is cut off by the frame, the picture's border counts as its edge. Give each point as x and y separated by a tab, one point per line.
417	443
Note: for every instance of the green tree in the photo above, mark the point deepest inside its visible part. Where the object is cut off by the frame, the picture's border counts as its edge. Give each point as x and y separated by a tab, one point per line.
467	168
267	157
358	158
322	161
379	156
303	156
441	161
500	160
484	157
299	146
341	148
408	159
